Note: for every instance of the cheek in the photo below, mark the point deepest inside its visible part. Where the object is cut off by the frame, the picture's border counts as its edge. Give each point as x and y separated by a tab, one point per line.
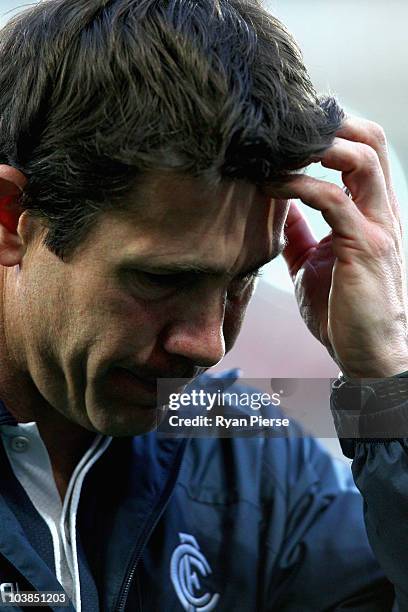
122	317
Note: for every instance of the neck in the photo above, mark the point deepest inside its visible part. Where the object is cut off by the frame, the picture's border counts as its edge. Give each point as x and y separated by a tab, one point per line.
66	442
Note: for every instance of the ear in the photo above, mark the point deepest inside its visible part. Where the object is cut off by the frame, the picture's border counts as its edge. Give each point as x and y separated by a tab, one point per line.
12	247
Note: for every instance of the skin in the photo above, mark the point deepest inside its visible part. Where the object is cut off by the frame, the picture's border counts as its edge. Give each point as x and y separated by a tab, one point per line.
351	285
160	289
67	326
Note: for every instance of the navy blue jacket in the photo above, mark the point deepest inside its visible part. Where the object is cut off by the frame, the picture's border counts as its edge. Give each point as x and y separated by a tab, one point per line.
226	524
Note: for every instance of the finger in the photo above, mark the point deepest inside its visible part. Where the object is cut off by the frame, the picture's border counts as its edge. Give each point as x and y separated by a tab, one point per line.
371	134
362	174
337	208
300	239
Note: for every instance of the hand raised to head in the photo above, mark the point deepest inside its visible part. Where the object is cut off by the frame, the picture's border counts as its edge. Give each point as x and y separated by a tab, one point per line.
351	285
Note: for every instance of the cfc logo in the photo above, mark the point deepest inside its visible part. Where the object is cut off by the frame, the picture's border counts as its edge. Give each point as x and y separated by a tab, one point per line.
186	561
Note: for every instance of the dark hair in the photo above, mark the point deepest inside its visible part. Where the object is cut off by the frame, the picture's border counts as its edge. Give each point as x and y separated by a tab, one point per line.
94	94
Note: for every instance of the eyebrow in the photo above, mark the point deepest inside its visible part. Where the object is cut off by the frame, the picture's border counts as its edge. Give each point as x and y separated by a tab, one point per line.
179	267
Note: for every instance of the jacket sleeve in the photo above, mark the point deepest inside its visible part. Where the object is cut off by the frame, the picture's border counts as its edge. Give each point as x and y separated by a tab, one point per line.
322	560
373	435
380	471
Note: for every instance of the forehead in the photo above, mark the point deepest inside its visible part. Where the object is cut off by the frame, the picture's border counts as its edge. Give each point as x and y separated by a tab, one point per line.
180	218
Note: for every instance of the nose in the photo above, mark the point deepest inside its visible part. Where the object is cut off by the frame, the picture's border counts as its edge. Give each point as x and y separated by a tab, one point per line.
196	331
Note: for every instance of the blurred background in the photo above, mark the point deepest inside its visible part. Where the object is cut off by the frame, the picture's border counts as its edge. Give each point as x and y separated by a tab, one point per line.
356	50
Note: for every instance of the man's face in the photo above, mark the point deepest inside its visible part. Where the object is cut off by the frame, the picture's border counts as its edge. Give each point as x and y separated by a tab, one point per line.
157	291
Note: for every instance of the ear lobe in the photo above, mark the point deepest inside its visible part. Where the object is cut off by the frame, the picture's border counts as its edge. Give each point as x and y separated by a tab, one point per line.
12	182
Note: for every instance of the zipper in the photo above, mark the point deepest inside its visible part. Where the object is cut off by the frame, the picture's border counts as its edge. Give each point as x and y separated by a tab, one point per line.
147	531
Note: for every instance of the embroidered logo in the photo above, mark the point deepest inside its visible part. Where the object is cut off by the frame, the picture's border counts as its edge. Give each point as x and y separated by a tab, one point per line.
186	561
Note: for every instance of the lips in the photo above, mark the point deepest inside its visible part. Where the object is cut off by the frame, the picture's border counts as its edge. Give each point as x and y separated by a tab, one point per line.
127	377
143	389
151	377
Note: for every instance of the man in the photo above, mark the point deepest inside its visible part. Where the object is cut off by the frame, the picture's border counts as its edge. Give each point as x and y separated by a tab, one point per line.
148	154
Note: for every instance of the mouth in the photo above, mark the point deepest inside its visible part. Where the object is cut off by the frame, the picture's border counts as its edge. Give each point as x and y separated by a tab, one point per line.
124	383
144	390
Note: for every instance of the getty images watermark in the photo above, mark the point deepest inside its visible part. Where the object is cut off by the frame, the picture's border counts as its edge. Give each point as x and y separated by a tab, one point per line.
208	401
219	409
272	407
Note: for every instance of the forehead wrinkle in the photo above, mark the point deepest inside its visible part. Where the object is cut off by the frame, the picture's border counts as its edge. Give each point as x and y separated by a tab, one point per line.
199	237
171	199
165	264
173	261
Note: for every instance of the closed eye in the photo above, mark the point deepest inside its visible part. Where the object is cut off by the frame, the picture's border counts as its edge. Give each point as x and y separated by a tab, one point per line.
152	285
241	284
168	280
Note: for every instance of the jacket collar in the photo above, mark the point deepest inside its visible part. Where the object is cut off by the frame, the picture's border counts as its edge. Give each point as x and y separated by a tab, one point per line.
124	495
127	494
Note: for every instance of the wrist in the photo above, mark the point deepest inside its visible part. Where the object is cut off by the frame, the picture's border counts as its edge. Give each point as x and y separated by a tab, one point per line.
388	366
370	409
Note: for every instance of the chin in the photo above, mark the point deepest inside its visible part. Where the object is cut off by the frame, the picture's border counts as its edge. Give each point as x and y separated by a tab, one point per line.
118	404
125	420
